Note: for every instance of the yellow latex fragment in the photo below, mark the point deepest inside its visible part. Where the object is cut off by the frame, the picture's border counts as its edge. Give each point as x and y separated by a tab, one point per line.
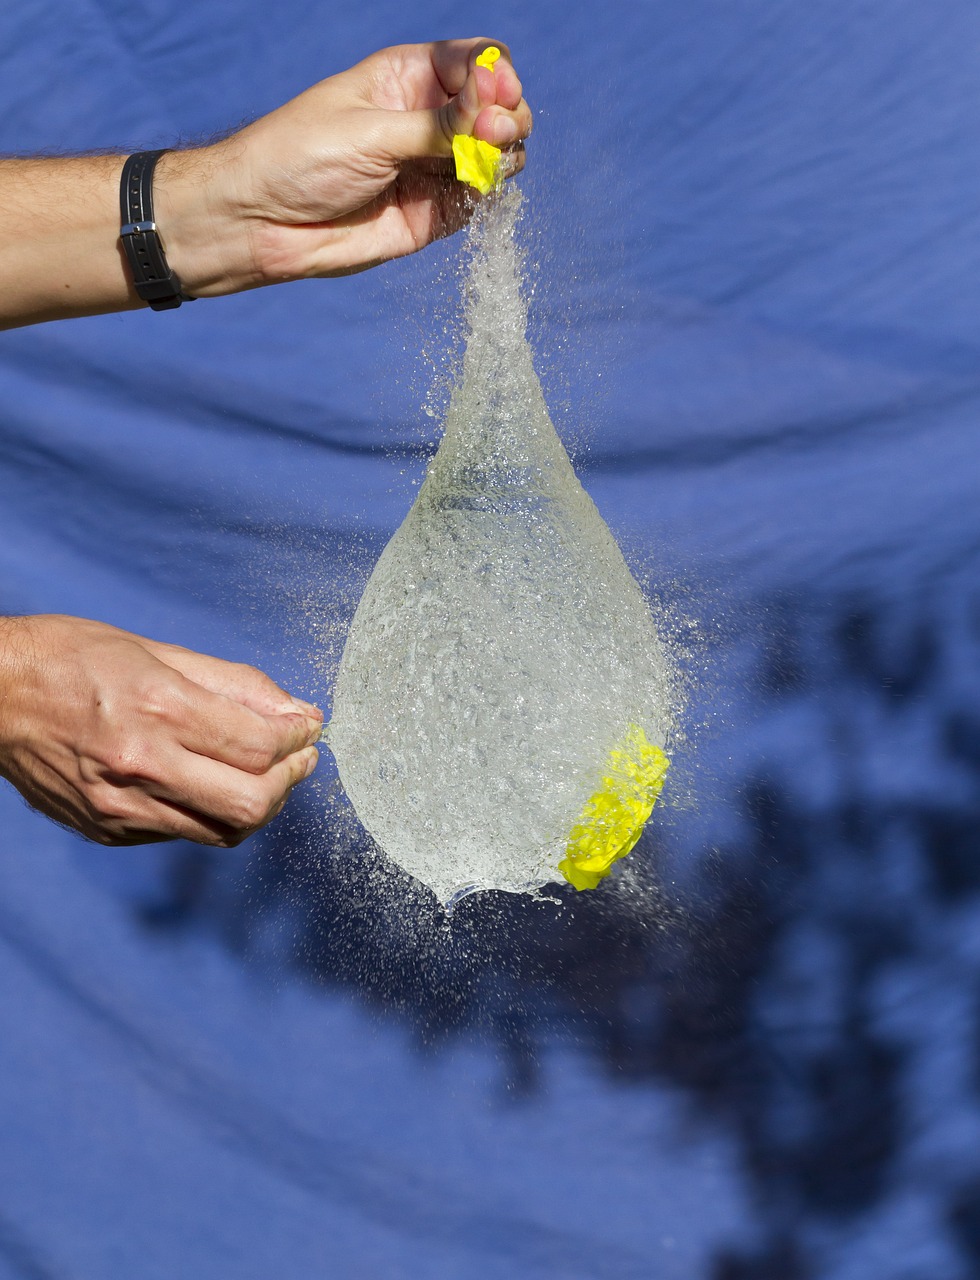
477	162
611	822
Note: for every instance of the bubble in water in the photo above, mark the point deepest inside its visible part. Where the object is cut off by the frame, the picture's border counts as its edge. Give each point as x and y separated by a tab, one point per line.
502	664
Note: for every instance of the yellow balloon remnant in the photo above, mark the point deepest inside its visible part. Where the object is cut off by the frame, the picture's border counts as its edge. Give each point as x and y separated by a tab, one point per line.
476	162
611	822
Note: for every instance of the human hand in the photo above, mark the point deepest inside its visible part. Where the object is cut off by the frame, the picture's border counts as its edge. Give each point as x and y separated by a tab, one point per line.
351	173
130	741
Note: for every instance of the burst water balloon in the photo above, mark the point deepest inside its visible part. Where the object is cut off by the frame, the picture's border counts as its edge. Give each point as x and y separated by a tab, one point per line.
503	702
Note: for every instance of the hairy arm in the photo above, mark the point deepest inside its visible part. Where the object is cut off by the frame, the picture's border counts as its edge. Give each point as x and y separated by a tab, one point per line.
353	172
59	250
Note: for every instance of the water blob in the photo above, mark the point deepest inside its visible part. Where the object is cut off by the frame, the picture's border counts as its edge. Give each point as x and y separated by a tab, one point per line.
503	702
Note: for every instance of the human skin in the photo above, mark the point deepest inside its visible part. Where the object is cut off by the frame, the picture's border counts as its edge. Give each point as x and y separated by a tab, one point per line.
130	741
353	172
121	738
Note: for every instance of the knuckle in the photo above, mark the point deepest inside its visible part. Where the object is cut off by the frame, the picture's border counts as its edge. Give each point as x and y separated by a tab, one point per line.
252	676
220	839
108	804
99	835
249	811
260	753
230	841
159	700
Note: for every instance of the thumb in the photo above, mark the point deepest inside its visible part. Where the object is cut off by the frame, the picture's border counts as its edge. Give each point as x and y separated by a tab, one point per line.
417	135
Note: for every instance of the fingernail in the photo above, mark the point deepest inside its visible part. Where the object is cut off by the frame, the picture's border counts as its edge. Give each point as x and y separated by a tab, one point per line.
504	131
315	733
311	764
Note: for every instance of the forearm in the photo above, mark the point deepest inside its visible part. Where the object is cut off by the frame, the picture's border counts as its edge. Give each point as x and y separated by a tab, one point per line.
353	172
15	646
59	239
60	252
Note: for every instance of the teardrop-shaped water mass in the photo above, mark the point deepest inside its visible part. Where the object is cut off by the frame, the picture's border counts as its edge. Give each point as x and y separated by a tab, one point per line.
502	650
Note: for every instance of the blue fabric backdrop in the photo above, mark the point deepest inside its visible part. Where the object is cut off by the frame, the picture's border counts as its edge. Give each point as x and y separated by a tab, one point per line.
756	238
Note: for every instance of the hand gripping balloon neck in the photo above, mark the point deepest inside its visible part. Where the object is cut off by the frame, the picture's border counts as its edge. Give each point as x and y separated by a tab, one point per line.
478	163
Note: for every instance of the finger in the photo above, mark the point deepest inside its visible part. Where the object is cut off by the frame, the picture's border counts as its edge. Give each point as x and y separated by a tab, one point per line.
128	799
510	91
501	85
453	60
237	680
490	104
502	128
416	135
222	729
486	104
219	794
157	822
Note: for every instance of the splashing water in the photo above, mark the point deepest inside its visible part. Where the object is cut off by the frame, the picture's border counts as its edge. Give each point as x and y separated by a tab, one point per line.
503	697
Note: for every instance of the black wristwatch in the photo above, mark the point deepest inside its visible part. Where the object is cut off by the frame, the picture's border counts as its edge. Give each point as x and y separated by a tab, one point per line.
154	280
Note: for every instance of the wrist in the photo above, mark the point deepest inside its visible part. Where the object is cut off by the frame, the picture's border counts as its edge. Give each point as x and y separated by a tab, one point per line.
18	655
202	222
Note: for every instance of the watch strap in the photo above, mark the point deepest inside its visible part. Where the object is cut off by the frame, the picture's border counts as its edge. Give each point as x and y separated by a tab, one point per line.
155	282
